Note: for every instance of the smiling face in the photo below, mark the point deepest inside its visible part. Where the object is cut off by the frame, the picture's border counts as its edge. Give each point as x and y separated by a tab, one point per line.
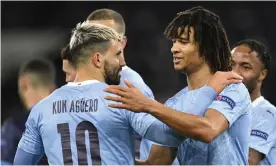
185	52
247	64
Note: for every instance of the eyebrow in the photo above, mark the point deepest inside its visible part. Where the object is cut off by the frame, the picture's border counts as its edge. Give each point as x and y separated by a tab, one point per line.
181	38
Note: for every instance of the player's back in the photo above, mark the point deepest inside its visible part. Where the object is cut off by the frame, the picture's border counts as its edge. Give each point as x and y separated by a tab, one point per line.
76	126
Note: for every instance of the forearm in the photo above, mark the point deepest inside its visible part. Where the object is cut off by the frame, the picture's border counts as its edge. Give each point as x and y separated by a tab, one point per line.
160	133
188	125
24	158
254	157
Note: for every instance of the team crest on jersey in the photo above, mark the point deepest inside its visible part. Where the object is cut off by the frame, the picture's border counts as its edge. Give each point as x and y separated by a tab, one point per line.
227	100
260	134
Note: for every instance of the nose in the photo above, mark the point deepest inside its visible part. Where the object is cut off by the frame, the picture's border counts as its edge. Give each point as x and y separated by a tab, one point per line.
175	48
122	61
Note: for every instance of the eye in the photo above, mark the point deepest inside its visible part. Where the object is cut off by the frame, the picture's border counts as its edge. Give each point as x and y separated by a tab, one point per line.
246	67
183	42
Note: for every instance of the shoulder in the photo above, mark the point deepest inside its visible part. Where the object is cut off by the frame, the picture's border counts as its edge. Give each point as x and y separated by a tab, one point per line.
239	91
236	95
266	110
135	78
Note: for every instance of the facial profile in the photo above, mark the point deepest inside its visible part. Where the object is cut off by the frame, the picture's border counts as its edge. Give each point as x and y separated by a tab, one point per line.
111	64
246	63
185	51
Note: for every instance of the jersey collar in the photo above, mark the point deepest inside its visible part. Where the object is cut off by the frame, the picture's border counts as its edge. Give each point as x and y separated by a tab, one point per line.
257	101
87	82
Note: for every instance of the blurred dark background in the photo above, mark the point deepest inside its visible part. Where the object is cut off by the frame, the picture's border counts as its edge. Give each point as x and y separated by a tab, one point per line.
40	29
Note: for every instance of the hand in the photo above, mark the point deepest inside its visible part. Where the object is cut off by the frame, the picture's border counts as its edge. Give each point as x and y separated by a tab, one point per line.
130	97
221	79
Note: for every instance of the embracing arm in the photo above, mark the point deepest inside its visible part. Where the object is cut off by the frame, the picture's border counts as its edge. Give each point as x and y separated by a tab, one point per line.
204	129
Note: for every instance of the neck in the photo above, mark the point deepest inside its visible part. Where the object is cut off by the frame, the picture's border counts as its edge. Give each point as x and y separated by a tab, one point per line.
84	74
199	78
255	93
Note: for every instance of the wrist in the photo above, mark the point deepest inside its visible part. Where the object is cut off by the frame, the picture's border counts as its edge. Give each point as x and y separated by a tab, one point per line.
150	106
210	92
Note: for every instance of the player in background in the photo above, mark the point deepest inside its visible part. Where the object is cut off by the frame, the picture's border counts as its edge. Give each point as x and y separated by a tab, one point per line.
251	60
115	20
35	82
217	130
67	67
64	124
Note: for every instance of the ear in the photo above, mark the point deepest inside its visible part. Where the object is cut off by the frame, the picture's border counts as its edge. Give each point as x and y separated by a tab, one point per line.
124	42
97	59
263	75
23	83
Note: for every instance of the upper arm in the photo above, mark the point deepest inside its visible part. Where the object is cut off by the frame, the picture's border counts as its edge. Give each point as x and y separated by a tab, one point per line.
254	157
31	141
263	130
233	102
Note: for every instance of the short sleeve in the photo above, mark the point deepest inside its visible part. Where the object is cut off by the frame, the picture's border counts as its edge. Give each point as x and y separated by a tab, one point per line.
31	141
263	130
232	102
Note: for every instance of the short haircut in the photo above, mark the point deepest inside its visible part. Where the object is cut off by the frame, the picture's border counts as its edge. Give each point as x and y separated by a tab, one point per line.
258	47
89	38
66	54
209	34
41	71
108	14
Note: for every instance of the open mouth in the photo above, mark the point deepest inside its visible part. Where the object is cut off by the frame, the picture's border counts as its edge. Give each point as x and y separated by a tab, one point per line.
176	60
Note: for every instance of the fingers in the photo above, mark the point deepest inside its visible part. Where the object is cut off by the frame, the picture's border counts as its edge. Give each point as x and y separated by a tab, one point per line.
236	75
231	75
233	81
114	98
120	106
129	84
116	91
118	87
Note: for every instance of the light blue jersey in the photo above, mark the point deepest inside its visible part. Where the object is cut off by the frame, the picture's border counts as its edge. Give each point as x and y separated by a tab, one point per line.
74	125
263	130
270	158
231	147
132	76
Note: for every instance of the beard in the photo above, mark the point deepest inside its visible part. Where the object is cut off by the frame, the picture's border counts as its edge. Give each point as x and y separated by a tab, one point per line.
250	85
112	76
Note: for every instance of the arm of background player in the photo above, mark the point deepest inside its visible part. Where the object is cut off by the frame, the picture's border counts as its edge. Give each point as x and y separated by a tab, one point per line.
31	141
254	157
10	136
218	116
159	155
263	129
24	158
